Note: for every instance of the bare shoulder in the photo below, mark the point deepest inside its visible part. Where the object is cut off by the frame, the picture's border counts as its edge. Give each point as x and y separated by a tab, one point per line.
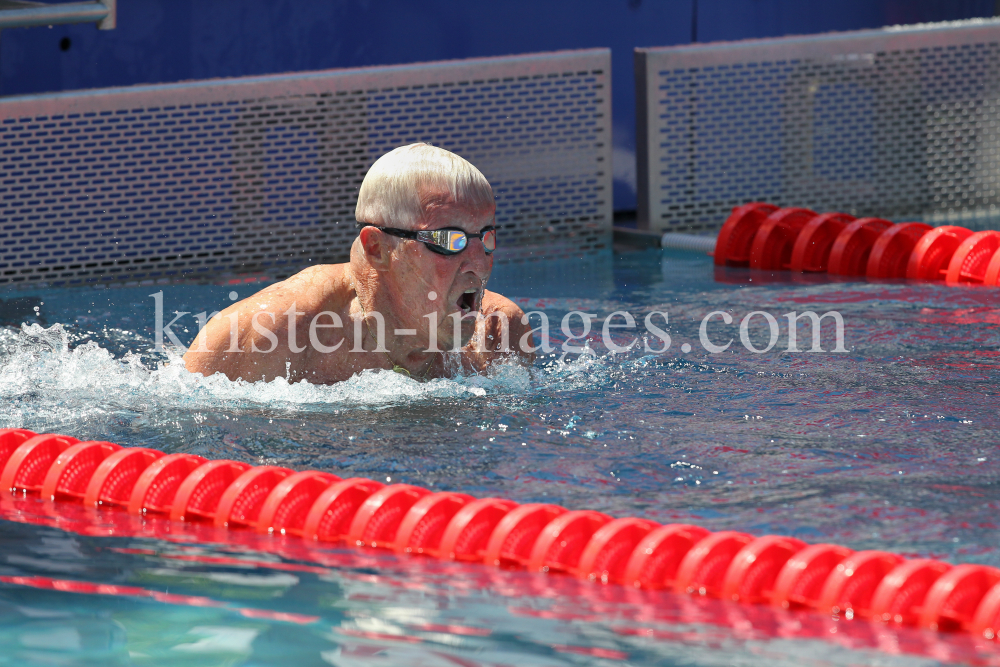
252	339
493	302
312	289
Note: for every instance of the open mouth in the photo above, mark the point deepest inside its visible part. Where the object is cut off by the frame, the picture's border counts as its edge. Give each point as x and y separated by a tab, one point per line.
467	301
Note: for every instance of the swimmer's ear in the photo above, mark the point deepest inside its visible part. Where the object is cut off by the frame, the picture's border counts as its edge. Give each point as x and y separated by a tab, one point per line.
376	247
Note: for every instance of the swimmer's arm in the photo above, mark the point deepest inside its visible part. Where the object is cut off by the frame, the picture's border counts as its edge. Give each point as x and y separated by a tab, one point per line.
488	344
224	348
232	344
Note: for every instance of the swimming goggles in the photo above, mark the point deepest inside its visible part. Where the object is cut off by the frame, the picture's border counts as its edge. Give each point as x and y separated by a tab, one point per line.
447	241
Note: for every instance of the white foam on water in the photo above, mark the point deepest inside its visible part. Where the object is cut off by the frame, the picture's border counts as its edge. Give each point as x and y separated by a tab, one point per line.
38	367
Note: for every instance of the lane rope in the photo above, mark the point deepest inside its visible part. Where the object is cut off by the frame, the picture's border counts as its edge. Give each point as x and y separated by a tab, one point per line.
764	237
773	570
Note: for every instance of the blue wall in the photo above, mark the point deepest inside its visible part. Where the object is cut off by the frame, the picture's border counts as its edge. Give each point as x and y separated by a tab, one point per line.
172	40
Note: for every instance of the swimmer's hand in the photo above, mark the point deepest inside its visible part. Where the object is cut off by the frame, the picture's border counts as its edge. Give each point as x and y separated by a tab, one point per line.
500	334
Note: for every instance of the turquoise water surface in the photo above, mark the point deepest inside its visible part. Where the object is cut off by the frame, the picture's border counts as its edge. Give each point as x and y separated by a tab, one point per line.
890	445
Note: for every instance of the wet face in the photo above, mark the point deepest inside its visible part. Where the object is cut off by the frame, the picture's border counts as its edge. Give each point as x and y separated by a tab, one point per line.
425	282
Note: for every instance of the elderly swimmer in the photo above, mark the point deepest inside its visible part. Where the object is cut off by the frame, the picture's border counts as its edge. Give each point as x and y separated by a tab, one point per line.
413	291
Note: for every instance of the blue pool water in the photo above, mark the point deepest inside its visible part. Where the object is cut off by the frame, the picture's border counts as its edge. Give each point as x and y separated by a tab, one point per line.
890	445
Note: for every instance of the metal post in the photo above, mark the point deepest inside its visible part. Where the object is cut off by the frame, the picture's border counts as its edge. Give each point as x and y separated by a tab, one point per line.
20	14
642	139
110	21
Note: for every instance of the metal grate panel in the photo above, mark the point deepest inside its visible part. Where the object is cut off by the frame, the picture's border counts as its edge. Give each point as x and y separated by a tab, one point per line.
260	175
900	123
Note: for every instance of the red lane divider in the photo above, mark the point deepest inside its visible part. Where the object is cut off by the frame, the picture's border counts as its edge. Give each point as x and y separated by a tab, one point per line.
115	477
71	472
512	540
972	258
286	506
899	594
811	252
732	246
853	246
654	561
782	572
703	570
333	511
467	534
774	240
377	521
560	544
423	525
606	555
802	578
891	252
753	571
30	462
240	503
849	587
933	252
156	487
764	237
198	495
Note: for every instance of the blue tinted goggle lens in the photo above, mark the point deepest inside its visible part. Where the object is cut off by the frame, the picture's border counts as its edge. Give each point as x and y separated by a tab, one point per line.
457	241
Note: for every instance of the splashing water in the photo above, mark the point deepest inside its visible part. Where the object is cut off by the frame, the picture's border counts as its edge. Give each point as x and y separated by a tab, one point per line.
38	362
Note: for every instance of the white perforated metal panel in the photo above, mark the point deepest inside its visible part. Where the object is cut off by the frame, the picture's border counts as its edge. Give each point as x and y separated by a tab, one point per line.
260	175
901	123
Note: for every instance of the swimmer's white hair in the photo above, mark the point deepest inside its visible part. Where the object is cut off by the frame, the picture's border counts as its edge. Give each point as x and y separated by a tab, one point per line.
408	181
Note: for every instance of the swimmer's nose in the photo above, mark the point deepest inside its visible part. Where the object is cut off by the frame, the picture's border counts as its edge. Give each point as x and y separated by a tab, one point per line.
475	259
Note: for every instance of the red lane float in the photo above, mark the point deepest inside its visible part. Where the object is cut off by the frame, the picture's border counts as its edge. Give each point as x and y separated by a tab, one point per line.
764	237
891	252
115	477
901	592
654	562
703	569
156	487
849	587
512	540
986	622
775	238
852	247
753	571
606	554
270	500
29	463
198	495
932	254
468	533
239	504
560	544
953	599
972	258
422	527
285	508
992	273
811	252
801	580
73	469
732	246
377	520
333	511
11	439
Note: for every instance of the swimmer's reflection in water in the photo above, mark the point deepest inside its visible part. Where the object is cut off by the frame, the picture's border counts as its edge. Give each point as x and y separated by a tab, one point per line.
412	298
